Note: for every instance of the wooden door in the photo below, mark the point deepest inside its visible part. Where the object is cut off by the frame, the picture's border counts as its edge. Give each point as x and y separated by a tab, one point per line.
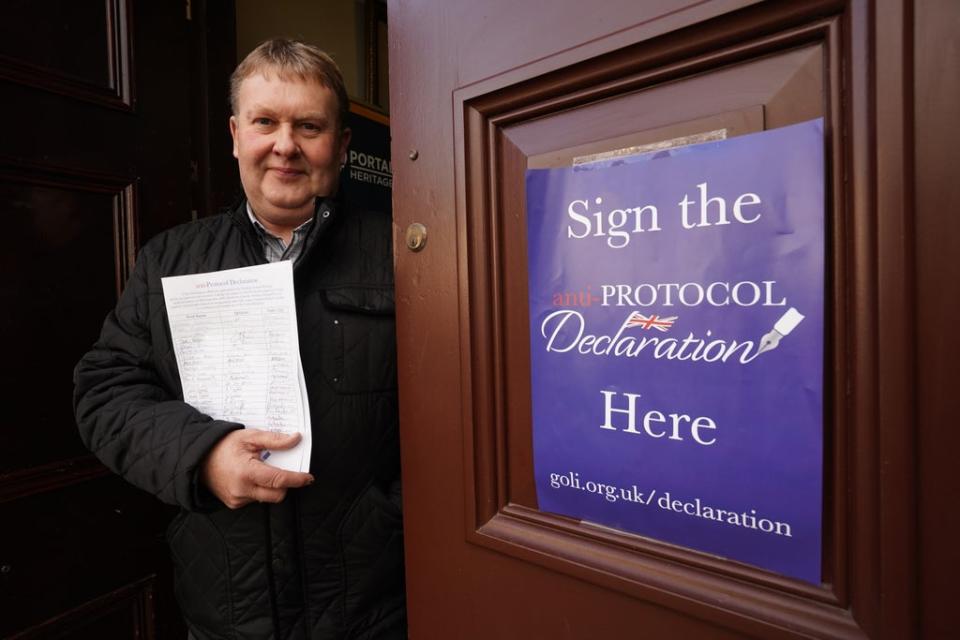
95	158
482	91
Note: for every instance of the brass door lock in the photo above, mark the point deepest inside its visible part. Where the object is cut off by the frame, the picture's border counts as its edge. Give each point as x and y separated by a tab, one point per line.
416	237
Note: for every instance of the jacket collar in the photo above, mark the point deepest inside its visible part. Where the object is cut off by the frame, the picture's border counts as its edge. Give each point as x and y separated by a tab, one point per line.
325	213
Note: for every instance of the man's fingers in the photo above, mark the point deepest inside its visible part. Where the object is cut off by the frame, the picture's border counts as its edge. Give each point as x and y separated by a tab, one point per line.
234	472
270	440
263	475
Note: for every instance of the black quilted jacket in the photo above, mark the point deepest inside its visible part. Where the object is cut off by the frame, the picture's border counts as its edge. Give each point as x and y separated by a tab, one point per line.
327	561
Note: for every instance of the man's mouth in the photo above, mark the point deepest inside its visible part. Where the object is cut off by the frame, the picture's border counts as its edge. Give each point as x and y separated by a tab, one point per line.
286	172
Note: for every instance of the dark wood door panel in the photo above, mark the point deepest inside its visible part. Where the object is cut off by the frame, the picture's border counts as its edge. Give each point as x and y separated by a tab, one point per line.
65	550
937	30
75	232
96	158
79	49
46	36
128	611
57	133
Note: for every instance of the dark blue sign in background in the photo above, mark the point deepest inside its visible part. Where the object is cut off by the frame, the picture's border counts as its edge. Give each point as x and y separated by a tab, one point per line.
367	180
753	492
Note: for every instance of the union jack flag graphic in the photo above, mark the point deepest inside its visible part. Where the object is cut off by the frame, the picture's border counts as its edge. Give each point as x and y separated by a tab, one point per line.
652	321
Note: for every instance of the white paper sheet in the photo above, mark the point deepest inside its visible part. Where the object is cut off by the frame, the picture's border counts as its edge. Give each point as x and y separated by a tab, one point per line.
235	338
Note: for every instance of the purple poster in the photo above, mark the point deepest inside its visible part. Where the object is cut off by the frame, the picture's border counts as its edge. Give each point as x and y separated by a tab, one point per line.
676	334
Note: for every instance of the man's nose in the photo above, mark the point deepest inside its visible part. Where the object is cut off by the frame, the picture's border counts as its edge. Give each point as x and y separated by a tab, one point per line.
285	143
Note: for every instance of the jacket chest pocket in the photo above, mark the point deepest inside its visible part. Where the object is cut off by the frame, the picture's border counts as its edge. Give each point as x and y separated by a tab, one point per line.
359	352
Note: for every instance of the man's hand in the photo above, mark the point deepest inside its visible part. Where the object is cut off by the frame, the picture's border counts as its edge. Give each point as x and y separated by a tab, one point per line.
234	472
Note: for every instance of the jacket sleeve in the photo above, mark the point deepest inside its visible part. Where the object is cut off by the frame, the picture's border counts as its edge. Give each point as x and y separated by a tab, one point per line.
129	419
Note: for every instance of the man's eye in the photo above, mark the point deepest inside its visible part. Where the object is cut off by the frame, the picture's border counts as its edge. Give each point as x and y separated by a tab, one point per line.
311	126
263	121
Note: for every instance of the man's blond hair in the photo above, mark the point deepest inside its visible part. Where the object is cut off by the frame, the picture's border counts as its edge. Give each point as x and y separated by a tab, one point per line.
288	58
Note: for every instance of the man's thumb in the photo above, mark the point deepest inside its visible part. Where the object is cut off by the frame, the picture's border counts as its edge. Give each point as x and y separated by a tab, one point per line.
273	440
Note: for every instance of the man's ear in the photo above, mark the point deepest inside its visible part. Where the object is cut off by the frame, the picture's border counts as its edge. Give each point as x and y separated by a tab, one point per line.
344	144
233	134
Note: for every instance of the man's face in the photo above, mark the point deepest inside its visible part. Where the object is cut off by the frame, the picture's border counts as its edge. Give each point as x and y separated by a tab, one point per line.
288	146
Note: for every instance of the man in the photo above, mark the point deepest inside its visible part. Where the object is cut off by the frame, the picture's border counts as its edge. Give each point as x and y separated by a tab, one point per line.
261	552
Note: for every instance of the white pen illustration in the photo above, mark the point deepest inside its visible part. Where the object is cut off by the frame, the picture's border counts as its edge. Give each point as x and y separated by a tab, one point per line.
787	323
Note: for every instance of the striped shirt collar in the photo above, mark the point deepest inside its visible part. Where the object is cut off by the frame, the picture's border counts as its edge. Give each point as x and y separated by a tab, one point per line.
274	248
